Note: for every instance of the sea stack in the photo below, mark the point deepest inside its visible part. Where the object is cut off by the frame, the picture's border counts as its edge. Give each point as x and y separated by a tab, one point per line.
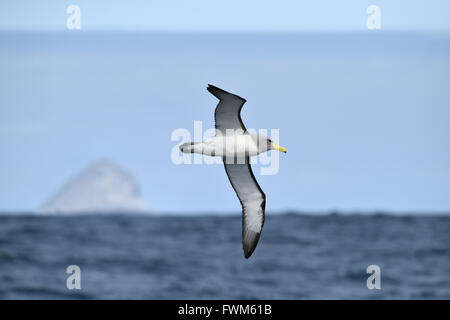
102	187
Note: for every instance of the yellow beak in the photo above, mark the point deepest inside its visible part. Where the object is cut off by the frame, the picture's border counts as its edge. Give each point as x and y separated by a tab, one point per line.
277	147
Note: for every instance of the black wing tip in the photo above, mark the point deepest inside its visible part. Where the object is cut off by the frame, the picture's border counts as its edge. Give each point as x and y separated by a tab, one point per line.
220	93
249	242
217	92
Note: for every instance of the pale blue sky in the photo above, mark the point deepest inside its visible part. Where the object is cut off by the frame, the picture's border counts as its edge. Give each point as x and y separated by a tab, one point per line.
364	114
231	15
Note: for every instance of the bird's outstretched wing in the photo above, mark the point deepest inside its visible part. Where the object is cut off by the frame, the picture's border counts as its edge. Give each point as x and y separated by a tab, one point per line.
253	201
228	111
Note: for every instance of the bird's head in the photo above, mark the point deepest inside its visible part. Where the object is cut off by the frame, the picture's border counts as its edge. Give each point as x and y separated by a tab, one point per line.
274	146
270	145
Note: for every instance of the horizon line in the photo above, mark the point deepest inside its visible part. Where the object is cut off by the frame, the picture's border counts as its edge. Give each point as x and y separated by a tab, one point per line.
192	213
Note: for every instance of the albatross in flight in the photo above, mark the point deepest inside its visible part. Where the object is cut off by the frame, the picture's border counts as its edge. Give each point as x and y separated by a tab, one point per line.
236	145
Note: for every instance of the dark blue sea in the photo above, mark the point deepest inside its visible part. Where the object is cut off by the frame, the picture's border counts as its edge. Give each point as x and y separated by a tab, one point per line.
200	257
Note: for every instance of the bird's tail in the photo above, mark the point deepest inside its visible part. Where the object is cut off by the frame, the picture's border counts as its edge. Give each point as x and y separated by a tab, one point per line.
191	147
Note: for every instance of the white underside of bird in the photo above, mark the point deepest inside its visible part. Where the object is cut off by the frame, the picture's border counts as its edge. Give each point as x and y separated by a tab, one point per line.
236	146
232	145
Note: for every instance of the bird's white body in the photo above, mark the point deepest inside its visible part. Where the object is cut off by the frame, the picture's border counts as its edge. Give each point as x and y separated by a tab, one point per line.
235	145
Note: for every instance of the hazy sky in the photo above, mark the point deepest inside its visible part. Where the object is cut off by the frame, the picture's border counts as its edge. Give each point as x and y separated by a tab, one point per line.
364	115
231	15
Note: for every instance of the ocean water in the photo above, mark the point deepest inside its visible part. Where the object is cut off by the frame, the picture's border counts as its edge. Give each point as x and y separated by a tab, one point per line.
200	257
